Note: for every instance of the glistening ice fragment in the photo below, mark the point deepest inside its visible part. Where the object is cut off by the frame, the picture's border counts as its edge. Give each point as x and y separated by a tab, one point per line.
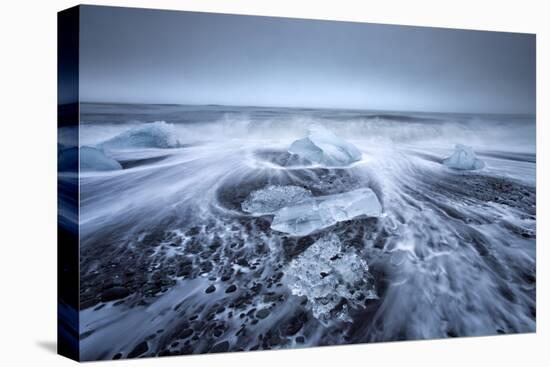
331	277
274	197
158	134
323	147
317	213
463	158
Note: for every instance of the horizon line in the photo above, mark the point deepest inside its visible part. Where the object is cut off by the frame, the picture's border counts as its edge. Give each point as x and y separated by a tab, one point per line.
304	107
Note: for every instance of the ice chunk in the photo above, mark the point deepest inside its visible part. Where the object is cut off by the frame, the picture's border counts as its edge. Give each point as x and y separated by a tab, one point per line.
91	159
272	198
158	134
301	219
463	158
327	274
298	213
320	212
323	147
351	204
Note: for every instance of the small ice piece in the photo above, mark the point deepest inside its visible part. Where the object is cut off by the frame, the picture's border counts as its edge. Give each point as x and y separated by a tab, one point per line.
158	134
328	274
463	158
274	197
323	147
320	212
91	159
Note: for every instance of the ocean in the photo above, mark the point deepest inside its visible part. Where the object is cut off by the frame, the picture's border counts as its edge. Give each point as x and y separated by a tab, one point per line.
170	263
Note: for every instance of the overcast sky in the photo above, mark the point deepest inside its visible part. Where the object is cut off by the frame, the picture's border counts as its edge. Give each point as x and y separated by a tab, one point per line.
144	56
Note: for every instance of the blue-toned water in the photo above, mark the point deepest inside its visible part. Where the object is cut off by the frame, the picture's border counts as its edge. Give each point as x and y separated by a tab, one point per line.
452	255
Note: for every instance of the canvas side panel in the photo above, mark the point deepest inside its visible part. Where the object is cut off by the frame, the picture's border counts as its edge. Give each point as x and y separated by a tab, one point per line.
67	183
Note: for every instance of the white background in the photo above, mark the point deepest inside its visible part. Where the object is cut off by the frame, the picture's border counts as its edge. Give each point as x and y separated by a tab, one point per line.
28	179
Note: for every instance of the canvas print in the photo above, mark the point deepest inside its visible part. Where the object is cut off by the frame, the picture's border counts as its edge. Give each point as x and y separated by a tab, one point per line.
238	183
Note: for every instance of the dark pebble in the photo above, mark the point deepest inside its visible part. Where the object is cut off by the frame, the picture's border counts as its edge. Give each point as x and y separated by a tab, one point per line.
271	297
210	289
114	293
87	303
186	333
295	324
256	288
139	350
193	231
232	288
185	270
166	353
263	313
220	347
